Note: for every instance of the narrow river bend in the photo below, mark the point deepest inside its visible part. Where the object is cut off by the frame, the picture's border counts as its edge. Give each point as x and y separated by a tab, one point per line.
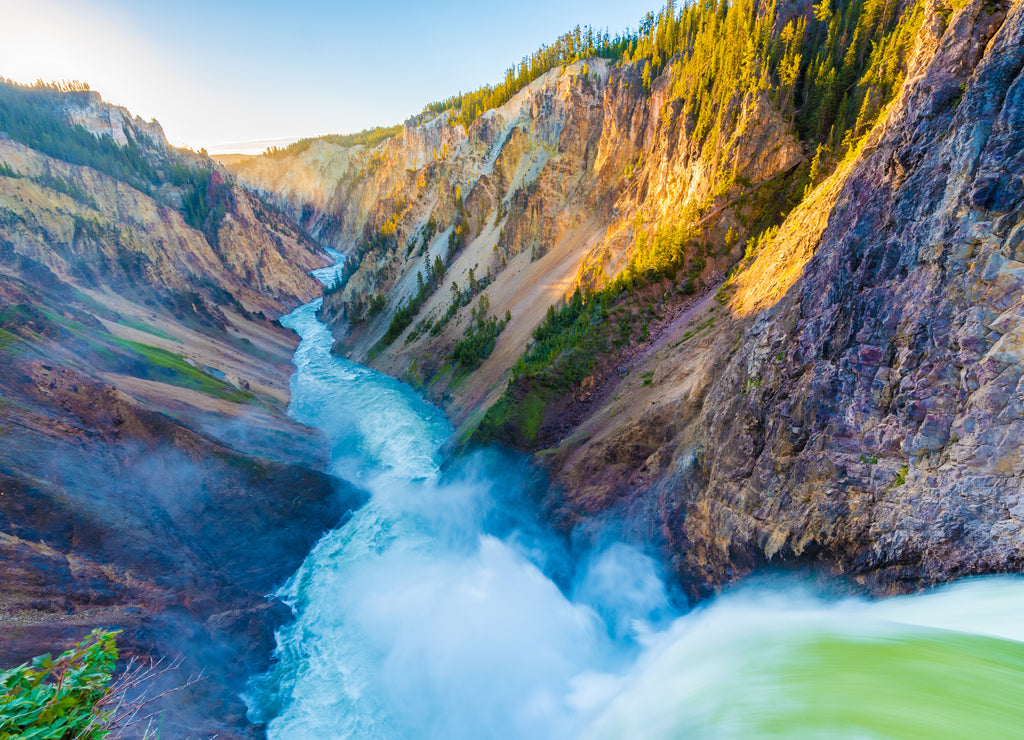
443	609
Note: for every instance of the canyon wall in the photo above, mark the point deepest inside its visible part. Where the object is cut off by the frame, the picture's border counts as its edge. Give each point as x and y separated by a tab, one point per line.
869	419
838	393
150	480
544	194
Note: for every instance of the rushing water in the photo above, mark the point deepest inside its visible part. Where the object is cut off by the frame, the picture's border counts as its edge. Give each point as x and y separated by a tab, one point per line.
442	609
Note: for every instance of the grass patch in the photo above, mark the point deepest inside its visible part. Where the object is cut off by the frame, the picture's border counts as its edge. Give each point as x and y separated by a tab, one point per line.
517	419
471	425
530	416
691	333
173	369
144	327
124	356
7	340
117	355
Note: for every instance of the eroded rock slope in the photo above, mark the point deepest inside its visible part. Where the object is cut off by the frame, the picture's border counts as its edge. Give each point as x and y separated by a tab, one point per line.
856	406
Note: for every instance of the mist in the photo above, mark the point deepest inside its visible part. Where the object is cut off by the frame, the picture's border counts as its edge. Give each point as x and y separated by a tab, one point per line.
432	614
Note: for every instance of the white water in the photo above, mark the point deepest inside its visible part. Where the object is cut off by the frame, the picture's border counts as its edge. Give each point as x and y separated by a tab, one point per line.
330	274
434	613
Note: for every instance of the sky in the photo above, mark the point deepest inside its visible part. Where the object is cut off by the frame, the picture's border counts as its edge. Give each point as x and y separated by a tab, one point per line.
236	75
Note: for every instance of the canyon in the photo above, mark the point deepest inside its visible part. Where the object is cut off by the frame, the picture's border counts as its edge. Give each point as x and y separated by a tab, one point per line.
728	335
835	392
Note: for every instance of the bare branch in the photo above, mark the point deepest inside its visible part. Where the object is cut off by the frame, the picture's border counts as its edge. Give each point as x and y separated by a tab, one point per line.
129	695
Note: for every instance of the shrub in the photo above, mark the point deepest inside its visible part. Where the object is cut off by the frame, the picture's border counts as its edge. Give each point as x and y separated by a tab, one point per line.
480	338
58	699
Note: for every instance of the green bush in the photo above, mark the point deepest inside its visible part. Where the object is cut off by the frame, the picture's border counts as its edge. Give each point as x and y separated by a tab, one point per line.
569	341
60	699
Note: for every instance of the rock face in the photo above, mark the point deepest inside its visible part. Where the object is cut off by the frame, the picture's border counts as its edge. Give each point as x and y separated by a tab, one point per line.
92	229
867	420
882	433
150	480
88	110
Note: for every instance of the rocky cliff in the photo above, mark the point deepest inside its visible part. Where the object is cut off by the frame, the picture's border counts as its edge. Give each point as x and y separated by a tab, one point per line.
826	376
868	420
149	478
548	192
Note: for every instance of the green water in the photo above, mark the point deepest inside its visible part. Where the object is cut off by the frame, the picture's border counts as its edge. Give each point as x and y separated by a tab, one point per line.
931	686
938	666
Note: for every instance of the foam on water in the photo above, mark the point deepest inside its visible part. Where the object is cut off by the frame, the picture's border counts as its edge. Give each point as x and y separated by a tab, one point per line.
329	275
375	424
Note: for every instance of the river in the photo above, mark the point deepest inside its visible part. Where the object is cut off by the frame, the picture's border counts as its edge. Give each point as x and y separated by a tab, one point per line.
444	609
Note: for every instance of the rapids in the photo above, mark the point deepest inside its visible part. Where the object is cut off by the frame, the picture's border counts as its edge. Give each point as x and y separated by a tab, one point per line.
443	609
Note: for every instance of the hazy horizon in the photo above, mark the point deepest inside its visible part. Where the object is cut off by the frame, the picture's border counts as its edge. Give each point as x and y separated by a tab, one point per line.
253	146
